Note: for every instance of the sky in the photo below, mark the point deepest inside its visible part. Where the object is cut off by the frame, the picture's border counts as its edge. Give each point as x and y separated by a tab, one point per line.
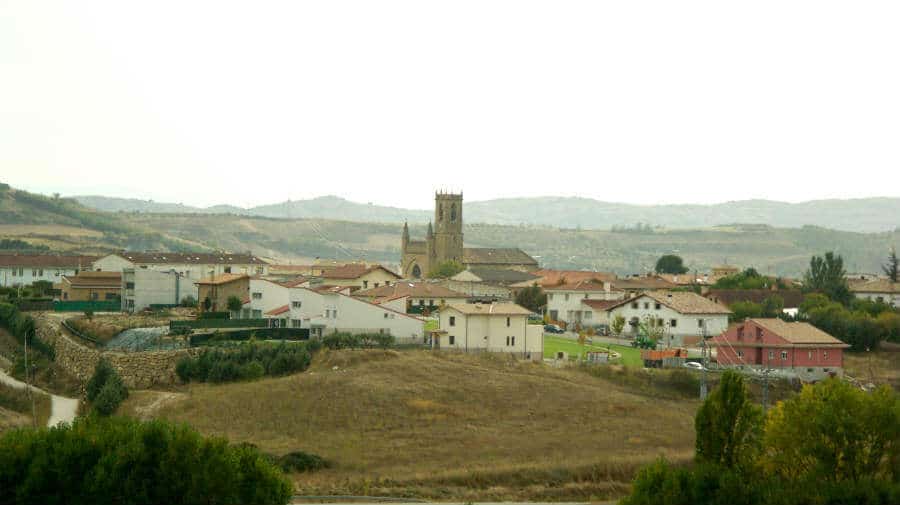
633	101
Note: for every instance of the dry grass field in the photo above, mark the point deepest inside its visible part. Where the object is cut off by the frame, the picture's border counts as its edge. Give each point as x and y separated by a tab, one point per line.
879	367
445	426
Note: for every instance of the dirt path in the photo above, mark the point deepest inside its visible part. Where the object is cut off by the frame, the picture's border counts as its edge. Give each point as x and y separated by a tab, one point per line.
62	409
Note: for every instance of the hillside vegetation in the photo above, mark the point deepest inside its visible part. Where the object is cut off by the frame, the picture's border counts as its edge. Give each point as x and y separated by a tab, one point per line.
66	225
445	426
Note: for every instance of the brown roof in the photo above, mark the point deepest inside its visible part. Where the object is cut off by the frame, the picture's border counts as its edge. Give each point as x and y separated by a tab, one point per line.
504	309
792	298
412	289
684	302
492	256
278	310
46	260
642	283
94	280
354	271
600	304
875	286
190	258
798	333
296	281
221	279
577	286
550	277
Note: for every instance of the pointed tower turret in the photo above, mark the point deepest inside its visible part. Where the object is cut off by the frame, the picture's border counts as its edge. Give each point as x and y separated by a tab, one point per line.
430	233
404	240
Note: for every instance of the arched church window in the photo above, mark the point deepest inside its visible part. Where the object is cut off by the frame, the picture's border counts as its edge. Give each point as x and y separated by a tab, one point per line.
453	212
416	271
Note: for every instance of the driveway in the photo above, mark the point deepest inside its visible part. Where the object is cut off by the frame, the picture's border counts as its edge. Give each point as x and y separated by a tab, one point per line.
62	409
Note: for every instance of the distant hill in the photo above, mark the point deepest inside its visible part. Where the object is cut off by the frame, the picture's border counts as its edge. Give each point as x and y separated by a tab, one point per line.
868	214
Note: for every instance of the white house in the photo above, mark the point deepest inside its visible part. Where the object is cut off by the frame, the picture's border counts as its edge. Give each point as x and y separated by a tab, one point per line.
192	267
878	290
564	301
327	311
25	269
491	327
684	316
143	288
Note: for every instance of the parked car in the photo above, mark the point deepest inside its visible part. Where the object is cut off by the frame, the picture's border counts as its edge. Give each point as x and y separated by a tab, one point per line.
552	328
693	365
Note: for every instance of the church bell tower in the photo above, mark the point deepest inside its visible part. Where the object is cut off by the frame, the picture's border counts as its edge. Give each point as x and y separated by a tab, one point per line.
448	231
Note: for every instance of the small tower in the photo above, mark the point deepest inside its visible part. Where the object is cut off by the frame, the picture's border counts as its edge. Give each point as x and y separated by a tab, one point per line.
448	234
404	240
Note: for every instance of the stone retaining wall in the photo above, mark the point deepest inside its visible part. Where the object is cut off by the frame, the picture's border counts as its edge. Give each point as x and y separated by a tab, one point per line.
138	370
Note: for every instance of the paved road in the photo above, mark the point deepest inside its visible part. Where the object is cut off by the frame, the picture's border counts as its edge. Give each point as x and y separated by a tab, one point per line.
62	409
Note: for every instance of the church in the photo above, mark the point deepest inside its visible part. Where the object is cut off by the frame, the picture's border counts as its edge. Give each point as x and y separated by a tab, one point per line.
444	242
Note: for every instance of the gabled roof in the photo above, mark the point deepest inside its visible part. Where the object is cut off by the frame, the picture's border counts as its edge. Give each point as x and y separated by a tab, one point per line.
684	302
94	280
496	256
354	271
642	283
550	277
278	310
189	258
497	309
600	304
796	332
411	289
500	275
584	286
221	279
296	281
46	260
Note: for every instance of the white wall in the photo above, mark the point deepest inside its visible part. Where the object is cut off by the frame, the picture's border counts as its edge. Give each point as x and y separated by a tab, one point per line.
190	272
10	276
567	304
152	287
892	299
489	332
686	325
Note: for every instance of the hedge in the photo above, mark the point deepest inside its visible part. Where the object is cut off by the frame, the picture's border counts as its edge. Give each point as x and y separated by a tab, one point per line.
246	361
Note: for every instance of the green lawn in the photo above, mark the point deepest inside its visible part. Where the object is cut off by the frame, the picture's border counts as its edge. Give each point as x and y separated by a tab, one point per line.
553	343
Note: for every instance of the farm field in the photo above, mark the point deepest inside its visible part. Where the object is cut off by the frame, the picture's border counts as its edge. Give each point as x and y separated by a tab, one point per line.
444	426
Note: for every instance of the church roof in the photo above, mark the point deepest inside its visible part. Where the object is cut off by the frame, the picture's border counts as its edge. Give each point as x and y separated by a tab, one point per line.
492	256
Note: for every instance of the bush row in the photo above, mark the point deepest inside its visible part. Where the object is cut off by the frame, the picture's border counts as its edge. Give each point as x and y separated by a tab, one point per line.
22	325
358	341
124	461
245	361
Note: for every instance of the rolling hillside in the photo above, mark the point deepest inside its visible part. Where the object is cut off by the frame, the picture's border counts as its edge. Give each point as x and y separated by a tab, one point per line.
869	215
64	224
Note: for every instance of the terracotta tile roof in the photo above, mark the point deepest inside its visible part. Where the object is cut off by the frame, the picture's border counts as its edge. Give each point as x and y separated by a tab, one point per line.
94	280
642	283
411	289
495	256
684	302
600	304
221	279
577	286
875	286
189	258
278	310
354	271
501	275
550	277
296	281
500	309
797	332
46	260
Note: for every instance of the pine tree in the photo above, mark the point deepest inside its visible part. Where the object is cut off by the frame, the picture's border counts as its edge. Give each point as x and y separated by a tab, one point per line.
891	268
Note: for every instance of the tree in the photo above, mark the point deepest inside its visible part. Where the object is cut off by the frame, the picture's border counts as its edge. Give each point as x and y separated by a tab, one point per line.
728	425
532	298
826	275
833	432
234	304
207	304
617	325
42	288
670	264
446	269
890	269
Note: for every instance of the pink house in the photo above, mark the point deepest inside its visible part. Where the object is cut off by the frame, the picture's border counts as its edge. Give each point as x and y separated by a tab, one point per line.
796	349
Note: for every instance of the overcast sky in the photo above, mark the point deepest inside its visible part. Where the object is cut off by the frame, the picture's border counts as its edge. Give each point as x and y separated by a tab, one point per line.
381	101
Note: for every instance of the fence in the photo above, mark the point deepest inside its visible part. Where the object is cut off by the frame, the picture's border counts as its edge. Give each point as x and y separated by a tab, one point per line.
78	334
220	323
258	333
82	306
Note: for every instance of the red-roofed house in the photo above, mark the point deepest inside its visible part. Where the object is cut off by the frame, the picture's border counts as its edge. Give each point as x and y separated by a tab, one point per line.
359	276
794	348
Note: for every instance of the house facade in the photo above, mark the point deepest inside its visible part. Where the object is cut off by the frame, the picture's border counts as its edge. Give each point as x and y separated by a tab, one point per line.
192	267
793	349
359	276
421	296
142	289
326	311
214	292
683	318
877	290
564	301
490	327
91	286
25	269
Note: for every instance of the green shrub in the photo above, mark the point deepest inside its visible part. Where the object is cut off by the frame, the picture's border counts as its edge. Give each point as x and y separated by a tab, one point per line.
244	361
125	461
105	390
301	462
21	326
252	370
184	369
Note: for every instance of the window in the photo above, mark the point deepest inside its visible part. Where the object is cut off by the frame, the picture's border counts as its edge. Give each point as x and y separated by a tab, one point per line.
634	305
646	305
507	322
759	334
95	296
228	270
550	296
257	296
111	296
659	323
507	340
259	271
585	296
783	355
588	314
740	332
296	305
658	306
771	354
327	313
699	323
385	315
41	272
129	285
334	313
513	340
431	303
366	285
421	303
808	354
451	340
673	323
295	323
376	284
740	354
824	354
452	320
34	272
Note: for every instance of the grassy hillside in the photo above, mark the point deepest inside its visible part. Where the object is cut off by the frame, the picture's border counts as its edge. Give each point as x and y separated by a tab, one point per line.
446	426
